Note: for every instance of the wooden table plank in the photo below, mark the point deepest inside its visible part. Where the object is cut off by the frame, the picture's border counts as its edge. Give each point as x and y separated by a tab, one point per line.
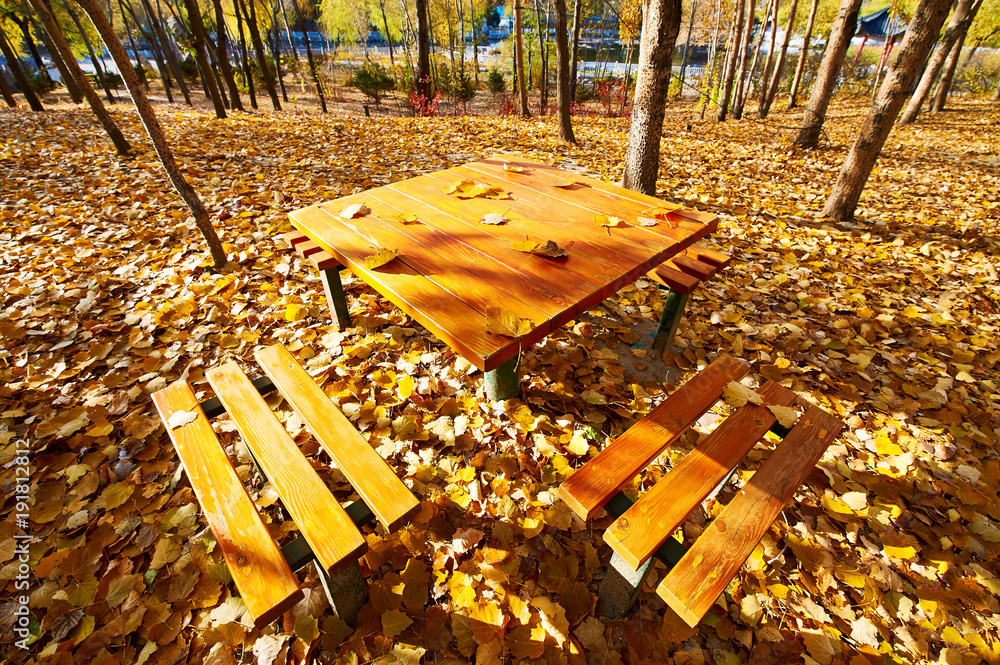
644	527
384	493
692	586
449	318
262	575
321	519
589	488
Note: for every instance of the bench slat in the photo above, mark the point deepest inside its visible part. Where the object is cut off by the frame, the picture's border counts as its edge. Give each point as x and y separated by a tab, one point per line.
708	255
264	580
374	480
324	261
602	477
674	279
694	584
324	524
693	267
292	238
644	527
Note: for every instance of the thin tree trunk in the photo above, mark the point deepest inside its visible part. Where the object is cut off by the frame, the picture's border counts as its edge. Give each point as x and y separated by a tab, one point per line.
803	57
765	74
422	79
687	48
475	40
385	24
712	60
247	70
150	36
258	47
960	17
950	65
741	101
542	57
522	91
661	23
742	69
309	56
168	51
222	55
131	42
413	36
6	92
67	79
779	67
563	98
288	30
15	68
920	35
198	30
24	26
98	69
155	132
275	53
833	58
734	47
577	10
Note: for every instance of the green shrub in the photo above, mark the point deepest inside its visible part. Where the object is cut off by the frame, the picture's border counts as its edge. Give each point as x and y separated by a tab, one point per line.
495	81
189	68
373	81
463	85
39	81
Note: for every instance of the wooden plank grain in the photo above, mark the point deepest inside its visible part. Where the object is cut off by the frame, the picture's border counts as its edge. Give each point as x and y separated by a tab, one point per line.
324	524
693	585
644	527
261	574
591	486
383	492
449	318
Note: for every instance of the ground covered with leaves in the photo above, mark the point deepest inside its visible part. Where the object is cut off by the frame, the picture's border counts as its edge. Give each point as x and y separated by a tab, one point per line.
887	553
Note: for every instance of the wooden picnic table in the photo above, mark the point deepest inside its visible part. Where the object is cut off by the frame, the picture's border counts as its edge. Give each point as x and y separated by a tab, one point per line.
450	267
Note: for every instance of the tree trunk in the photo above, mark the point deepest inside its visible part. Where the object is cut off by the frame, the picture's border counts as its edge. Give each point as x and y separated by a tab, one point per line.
152	125
131	41
960	18
247	70
765	74
422	80
522	91
577	10
734	47
275	42
168	51
258	47
713	56
150	37
385	24
98	69
475	40
741	100
543	58
198	30
23	25
687	48
833	58
313	69
950	66
920	35
67	78
803	57
288	30
779	67
15	68
660	25
563	98
74	71
742	69
6	92
222	55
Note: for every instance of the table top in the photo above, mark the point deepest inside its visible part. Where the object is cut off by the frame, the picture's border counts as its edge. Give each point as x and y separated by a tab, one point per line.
451	267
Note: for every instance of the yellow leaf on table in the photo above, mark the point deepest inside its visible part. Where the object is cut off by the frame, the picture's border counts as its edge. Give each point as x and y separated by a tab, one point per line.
295	312
524	245
354	210
786	415
395	622
567	184
661	210
379	258
500	321
513	168
460	186
609	221
482	190
493	219
405	218
737	395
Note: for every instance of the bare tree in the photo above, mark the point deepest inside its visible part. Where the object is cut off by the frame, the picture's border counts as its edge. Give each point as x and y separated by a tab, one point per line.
577	9
734	48
562	74
961	16
98	69
154	130
951	64
222	55
522	91
660	25
742	69
15	68
920	35
803	57
422	80
687	48
833	58
772	89
60	63
74	71
258	46
200	40
167	48
313	69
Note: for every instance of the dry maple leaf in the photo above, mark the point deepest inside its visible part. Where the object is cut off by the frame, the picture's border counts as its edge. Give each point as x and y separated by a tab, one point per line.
500	321
355	210
513	168
381	257
737	395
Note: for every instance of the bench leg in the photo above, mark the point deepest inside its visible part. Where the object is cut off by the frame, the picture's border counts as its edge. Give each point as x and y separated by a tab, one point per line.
335	297
673	310
345	591
620	587
504	382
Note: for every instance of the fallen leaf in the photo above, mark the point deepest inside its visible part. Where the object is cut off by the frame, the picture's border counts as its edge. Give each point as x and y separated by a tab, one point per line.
500	321
381	257
181	418
493	218
737	395
355	210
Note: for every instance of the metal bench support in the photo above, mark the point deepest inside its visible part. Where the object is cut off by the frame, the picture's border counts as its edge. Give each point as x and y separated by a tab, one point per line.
335	297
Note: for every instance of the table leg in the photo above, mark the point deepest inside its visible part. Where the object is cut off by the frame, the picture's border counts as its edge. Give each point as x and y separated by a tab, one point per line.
335	297
673	310
620	587
504	382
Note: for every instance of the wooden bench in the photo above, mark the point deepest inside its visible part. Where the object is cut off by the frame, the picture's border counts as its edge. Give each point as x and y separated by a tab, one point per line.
642	530
329	533
329	273
682	275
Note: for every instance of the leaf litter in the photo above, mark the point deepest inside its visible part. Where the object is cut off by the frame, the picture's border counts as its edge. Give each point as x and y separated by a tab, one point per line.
890	322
